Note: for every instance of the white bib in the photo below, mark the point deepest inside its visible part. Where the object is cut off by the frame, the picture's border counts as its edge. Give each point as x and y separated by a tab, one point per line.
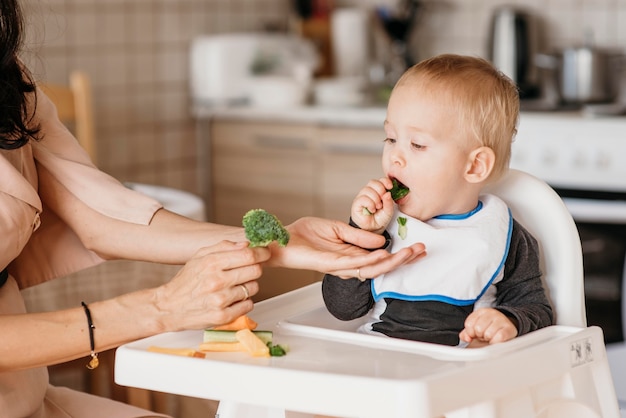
465	255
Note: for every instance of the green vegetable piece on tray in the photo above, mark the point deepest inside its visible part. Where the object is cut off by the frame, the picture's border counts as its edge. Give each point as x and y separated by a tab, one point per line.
402	230
261	228
276	350
398	191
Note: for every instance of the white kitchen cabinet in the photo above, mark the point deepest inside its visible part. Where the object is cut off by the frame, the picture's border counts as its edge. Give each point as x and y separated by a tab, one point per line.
265	165
291	170
269	166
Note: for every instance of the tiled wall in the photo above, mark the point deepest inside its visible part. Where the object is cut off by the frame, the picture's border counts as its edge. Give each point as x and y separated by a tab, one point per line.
136	52
462	26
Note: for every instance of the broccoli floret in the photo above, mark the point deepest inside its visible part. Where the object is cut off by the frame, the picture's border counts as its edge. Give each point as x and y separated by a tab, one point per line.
398	191
261	228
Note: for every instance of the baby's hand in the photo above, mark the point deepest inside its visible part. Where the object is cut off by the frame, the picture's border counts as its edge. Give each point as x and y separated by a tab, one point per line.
372	208
487	326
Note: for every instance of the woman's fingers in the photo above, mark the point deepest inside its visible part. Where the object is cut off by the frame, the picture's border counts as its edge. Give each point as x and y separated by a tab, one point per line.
379	262
213	287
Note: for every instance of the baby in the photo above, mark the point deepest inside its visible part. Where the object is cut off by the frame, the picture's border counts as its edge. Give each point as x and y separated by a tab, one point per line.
450	124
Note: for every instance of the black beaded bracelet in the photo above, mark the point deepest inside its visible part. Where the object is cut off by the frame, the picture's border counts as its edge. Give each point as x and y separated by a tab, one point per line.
94	362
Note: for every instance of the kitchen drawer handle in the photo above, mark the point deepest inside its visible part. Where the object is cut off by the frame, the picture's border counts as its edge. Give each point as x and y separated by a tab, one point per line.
353	149
266	141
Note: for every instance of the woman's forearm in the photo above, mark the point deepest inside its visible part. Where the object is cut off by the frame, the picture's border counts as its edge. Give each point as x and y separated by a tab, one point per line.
206	291
168	238
39	339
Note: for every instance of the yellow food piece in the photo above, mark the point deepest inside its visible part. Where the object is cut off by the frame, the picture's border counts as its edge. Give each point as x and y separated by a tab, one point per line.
252	343
213	346
186	352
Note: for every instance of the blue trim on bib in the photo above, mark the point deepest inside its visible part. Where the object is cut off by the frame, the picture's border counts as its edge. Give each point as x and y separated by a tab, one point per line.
466	215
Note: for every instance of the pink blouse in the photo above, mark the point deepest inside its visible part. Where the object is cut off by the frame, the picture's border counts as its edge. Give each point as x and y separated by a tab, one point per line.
37	245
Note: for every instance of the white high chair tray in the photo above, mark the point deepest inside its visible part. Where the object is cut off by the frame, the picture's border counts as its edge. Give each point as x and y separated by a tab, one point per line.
330	369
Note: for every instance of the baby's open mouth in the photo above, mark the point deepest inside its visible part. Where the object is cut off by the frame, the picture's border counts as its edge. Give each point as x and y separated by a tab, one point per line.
399	190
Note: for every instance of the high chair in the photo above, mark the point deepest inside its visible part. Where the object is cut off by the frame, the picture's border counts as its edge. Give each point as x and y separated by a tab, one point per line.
542	212
559	372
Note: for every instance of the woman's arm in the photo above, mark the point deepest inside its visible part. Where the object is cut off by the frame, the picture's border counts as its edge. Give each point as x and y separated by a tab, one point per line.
168	238
316	244
205	292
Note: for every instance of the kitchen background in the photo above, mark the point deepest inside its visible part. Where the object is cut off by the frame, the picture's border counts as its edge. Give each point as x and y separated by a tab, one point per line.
137	54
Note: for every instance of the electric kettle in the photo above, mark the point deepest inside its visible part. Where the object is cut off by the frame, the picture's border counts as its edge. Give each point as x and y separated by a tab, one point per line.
512	47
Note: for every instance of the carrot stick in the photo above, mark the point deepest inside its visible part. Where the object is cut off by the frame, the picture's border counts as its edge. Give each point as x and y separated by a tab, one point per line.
243	322
186	352
252	344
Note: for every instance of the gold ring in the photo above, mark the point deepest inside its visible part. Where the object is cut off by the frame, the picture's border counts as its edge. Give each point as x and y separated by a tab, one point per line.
246	294
358	274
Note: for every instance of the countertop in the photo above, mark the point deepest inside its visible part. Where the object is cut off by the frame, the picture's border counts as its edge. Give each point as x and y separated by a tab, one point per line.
374	116
366	116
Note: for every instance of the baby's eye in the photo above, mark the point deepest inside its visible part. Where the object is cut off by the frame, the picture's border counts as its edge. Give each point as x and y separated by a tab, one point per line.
417	146
389	141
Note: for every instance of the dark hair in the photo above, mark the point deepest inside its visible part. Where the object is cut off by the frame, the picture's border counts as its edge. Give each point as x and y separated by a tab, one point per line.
16	114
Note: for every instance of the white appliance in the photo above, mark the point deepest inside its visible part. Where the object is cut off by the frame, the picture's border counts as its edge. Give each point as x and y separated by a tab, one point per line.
219	66
350	28
223	67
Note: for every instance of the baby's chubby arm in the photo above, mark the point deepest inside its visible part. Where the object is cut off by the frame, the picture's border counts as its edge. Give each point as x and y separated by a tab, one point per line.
488	326
372	208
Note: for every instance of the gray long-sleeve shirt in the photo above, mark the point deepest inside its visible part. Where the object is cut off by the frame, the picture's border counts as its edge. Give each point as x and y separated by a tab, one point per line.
520	295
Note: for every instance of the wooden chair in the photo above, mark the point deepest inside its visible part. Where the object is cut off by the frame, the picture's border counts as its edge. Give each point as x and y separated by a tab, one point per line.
74	103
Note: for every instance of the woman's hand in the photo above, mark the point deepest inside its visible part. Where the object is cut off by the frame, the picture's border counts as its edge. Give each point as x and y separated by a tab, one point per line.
372	208
213	287
487	326
336	248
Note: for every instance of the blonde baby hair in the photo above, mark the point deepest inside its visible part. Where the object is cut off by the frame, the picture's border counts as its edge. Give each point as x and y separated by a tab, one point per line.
485	100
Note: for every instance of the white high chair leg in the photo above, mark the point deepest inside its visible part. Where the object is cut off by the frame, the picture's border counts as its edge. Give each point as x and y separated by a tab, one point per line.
482	410
231	409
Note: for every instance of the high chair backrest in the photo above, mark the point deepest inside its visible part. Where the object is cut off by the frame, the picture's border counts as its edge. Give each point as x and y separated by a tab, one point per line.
542	212
74	103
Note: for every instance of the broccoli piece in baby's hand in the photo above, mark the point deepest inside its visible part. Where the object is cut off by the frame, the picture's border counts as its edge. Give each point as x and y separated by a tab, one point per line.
398	191
261	228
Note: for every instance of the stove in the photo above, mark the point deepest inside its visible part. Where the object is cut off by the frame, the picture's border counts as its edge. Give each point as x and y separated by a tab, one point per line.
570	151
584	160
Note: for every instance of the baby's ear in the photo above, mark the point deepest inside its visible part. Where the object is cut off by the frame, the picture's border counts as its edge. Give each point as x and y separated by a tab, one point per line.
480	164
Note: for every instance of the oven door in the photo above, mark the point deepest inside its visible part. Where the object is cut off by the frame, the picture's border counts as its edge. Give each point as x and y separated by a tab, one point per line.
601	221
